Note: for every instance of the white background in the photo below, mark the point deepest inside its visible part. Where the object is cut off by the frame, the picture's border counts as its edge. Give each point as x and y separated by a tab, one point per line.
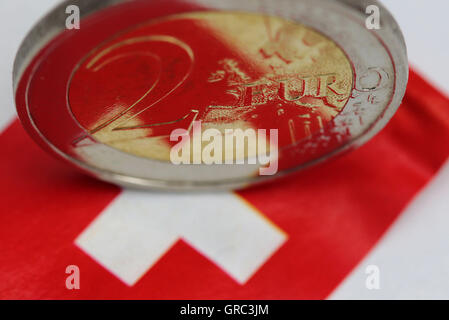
414	256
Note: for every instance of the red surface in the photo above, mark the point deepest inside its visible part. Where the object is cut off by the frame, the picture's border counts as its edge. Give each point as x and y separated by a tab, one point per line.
334	214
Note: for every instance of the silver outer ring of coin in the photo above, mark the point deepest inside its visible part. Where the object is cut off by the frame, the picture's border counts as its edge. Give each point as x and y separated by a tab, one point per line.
344	23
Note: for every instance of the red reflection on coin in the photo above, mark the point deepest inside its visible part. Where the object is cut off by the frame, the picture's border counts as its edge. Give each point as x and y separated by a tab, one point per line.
135	89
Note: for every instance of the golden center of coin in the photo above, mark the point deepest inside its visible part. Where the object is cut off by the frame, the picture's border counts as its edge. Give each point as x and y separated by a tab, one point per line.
229	70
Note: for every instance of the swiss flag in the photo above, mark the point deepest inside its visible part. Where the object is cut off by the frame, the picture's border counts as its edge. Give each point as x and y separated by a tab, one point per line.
296	238
314	227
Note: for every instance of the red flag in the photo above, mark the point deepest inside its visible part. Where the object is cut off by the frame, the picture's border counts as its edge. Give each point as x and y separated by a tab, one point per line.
332	214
